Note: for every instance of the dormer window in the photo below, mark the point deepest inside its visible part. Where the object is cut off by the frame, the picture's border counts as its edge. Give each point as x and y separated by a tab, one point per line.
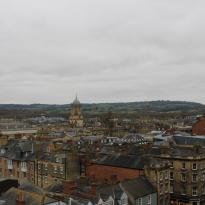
58	160
3	151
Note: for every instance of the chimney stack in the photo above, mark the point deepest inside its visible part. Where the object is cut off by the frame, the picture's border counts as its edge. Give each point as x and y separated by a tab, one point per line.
20	198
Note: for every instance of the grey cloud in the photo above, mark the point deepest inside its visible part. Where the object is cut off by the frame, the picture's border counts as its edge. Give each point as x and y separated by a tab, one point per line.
111	50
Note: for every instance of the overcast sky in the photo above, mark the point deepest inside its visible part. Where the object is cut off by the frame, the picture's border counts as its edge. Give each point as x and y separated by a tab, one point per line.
104	50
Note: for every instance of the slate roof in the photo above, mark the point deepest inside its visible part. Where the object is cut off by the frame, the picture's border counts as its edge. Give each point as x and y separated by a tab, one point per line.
186	152
51	157
178	152
137	188
57	187
26	185
31	198
125	161
154	151
189	140
18	150
110	190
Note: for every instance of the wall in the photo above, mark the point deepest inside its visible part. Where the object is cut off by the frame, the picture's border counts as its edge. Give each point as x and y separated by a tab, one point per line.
145	200
199	127
103	173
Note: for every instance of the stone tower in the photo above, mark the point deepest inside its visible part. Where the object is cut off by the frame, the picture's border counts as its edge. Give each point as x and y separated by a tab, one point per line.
72	164
76	117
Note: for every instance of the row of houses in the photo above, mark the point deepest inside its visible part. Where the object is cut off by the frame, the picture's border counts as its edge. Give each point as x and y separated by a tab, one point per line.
175	173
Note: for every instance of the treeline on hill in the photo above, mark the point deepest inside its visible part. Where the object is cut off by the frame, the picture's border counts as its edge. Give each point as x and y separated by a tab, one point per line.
130	109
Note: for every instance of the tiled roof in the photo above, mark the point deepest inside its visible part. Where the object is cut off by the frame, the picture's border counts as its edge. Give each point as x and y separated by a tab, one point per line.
137	188
126	161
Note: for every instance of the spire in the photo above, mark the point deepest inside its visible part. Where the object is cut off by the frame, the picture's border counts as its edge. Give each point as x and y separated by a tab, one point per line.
76	101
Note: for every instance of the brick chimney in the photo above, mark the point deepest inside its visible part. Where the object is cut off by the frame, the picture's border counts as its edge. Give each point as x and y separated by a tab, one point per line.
93	189
70	187
20	198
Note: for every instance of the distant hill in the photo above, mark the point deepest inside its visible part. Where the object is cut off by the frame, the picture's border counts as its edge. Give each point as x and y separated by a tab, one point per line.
129	107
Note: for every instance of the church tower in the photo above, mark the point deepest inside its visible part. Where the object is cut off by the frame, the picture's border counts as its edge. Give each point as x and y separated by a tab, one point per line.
76	117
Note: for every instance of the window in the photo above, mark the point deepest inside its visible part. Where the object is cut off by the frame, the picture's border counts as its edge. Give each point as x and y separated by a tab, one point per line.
3	151
183	190
171	164
45	180
46	166
171	189
149	200
124	201
183	165
10	162
194	166
194	178
203	177
166	188
61	170
183	177
23	165
161	189
171	175
39	166
167	202
194	191
140	201
58	160
166	174
161	176
55	169
203	189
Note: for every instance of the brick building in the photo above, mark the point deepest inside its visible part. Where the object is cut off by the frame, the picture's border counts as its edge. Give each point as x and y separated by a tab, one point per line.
115	168
199	127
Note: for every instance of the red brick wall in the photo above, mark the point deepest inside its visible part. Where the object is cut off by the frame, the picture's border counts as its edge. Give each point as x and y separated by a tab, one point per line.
69	187
102	173
199	127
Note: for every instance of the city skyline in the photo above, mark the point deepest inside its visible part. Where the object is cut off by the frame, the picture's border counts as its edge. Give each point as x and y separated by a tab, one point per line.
108	51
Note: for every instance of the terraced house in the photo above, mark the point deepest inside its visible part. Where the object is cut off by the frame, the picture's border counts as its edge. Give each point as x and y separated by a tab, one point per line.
56	167
17	160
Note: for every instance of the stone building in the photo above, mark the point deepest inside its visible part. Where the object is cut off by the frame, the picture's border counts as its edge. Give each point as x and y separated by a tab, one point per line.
76	117
187	174
158	172
56	167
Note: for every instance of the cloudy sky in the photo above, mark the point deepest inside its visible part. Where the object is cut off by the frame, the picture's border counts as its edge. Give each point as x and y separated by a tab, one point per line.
104	50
